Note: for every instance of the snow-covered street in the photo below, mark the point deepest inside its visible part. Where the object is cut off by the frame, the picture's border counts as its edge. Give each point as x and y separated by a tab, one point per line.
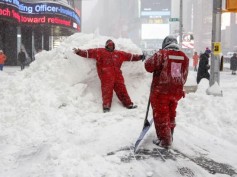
52	124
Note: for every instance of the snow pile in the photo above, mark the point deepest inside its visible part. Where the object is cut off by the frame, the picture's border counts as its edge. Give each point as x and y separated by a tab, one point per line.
52	124
214	90
203	86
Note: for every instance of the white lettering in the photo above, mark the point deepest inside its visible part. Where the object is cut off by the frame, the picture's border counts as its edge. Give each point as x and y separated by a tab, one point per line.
45	8
25	8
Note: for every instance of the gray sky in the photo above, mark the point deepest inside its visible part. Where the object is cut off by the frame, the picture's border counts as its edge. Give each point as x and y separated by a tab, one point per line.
87	6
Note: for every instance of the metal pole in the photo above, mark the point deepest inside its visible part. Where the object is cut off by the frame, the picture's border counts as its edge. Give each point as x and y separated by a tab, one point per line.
18	41
42	40
216	37
181	24
32	45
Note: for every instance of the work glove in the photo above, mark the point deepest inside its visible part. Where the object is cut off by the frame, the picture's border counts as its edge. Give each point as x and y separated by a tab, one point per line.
76	50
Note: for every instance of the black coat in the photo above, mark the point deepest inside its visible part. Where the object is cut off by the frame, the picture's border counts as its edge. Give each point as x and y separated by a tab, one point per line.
203	68
22	57
233	63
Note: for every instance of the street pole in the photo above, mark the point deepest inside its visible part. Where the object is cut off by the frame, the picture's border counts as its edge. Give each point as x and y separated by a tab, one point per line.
216	38
181	24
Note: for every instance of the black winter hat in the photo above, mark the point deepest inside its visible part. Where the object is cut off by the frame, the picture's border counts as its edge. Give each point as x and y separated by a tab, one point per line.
109	41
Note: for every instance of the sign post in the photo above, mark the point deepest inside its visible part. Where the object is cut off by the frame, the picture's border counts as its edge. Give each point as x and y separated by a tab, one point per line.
216	48
174	19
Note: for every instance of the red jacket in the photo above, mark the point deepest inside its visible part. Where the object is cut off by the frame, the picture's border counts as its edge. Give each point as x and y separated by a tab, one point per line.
195	60
109	63
170	68
2	58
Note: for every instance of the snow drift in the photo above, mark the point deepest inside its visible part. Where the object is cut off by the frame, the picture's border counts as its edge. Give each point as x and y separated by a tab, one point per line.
52	124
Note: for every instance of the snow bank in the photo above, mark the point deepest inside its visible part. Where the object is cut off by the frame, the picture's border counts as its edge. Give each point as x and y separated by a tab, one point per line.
52	123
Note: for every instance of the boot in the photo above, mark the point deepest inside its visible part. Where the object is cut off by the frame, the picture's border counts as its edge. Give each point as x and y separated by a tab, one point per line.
161	144
164	143
106	110
132	106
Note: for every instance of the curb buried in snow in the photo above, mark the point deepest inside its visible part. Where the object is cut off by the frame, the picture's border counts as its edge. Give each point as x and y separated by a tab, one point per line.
190	88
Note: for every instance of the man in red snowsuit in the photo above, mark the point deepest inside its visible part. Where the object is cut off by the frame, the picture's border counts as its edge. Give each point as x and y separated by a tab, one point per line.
109	62
170	70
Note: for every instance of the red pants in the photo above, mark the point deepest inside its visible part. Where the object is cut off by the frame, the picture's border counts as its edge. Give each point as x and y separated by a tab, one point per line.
164	113
107	88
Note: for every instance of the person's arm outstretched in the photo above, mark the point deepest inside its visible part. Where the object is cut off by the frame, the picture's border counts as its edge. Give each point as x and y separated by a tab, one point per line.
89	53
132	57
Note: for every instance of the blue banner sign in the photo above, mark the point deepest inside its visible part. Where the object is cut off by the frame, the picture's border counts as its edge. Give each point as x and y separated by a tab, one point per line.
51	13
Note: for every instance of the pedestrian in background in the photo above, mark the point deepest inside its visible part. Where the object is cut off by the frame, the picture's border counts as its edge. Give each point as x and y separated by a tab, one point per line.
222	63
195	61
22	59
2	59
204	66
233	64
170	70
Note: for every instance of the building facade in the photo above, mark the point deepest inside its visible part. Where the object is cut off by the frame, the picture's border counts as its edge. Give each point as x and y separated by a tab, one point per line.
35	25
228	35
114	18
155	24
202	27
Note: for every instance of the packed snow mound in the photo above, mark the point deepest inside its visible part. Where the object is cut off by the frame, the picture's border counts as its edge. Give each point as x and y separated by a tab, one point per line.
52	123
59	76
72	68
55	106
215	90
203	86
